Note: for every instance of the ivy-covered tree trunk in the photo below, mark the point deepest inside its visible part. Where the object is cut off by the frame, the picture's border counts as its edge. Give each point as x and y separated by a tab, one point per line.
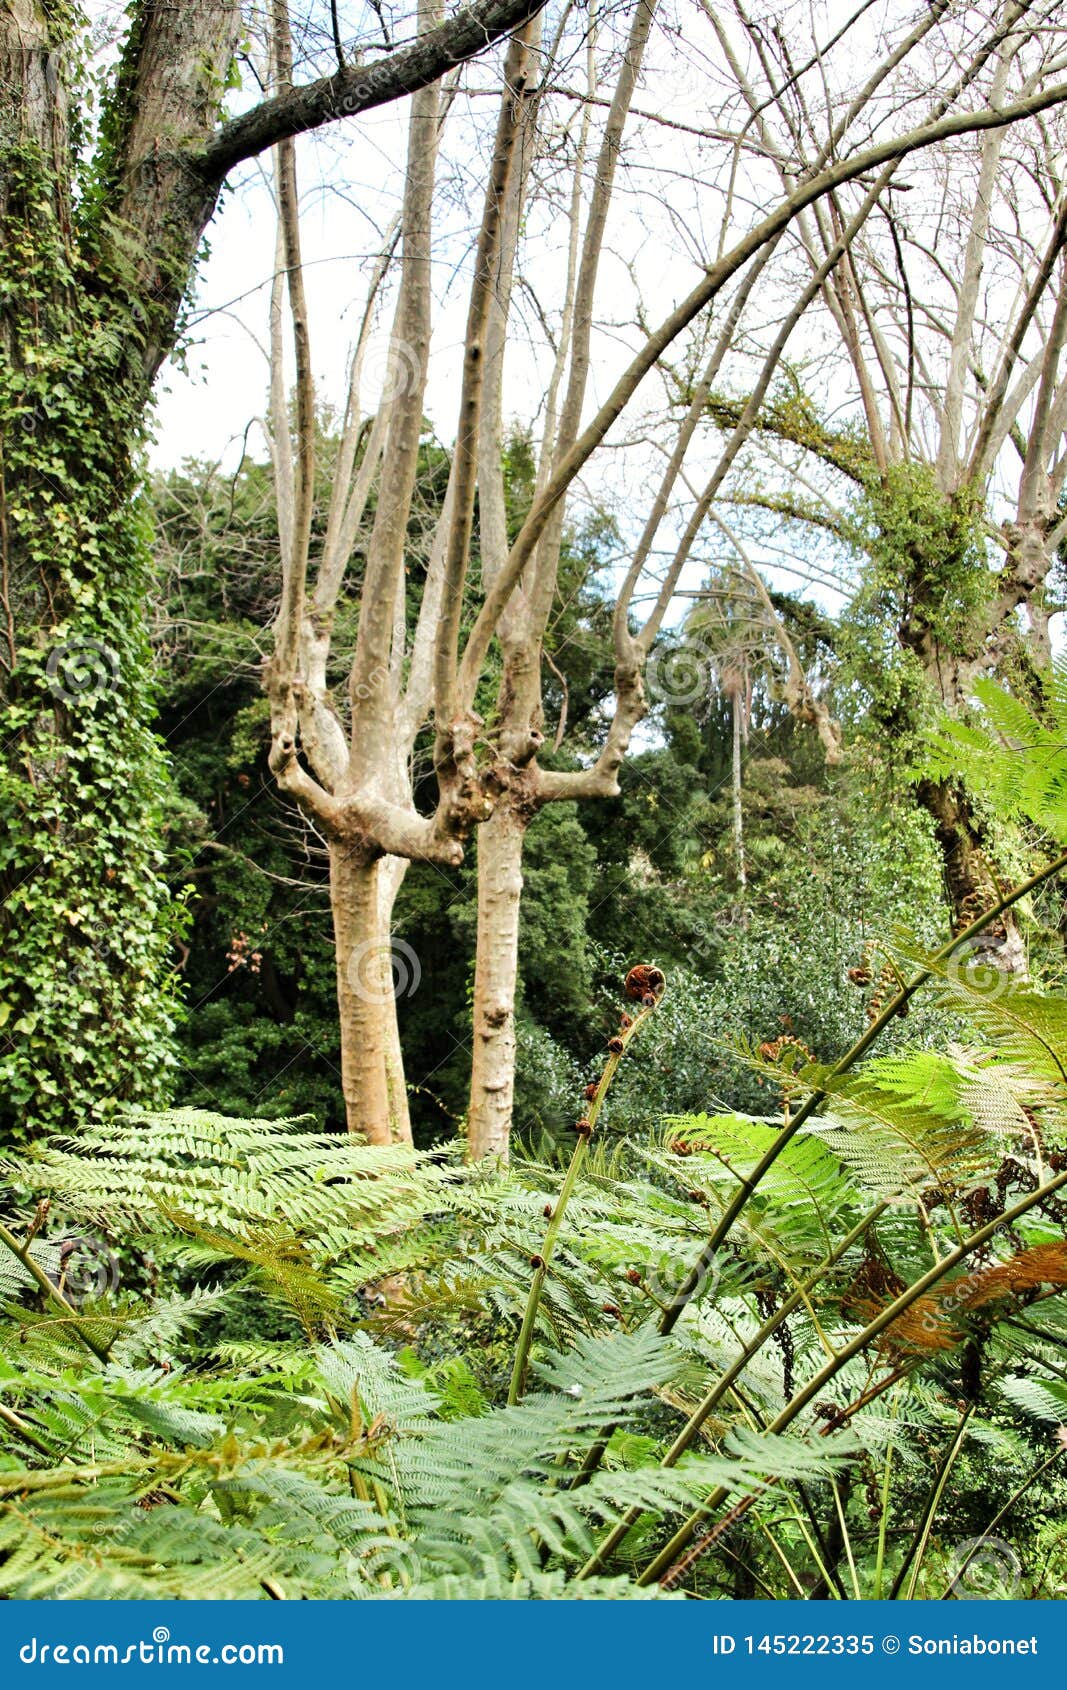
99	236
957	627
86	987
970	884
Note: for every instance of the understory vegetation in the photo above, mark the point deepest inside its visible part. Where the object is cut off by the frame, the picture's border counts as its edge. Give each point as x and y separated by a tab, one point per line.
833	857
813	1350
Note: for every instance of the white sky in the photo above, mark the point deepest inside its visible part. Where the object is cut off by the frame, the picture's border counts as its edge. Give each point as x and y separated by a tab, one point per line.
351	178
663	224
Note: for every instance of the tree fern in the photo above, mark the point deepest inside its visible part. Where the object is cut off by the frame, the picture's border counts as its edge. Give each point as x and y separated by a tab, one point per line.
190	1169
1014	759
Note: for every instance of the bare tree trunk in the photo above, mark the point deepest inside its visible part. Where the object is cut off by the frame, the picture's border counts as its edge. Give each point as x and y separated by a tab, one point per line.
405	973
500	842
501	838
735	786
371	1077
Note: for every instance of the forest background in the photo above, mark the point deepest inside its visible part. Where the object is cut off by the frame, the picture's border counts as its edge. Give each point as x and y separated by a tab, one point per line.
534	791
832	855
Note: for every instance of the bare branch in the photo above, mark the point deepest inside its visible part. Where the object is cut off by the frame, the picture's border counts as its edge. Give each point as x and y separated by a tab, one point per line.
516	71
836	175
359	88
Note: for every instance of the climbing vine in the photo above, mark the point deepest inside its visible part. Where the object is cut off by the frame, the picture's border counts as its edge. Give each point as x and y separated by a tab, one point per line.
920	603
929	555
87	994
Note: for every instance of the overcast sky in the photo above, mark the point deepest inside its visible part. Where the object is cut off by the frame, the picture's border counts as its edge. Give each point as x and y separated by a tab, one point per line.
663	226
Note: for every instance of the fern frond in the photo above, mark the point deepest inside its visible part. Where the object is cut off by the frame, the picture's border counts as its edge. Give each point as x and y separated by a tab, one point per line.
1013	759
238	1179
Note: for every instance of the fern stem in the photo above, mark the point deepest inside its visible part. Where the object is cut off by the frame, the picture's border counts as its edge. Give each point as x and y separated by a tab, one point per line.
695	1278
15	1423
911	1294
52	1292
921	1536
883	1520
816	1547
824	1558
746	1189
846	1540
1031	1479
1033	1355
783	1557
588	1125
714	1396
740	1509
743	1566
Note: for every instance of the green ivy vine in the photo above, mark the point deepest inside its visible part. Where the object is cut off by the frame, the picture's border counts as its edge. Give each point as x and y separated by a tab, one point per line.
929	554
88	993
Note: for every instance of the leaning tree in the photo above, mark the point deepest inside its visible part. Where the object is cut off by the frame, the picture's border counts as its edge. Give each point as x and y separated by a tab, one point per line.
930	439
675	513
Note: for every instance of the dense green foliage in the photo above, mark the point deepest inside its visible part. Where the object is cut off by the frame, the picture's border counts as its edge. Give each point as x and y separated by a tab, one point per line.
87	993
928	552
247	1357
230	1379
651	872
769	1298
242	1355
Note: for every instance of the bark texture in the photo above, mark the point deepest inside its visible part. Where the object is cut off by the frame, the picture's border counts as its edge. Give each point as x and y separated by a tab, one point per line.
970	884
371	1071
361	87
93	289
492	1094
